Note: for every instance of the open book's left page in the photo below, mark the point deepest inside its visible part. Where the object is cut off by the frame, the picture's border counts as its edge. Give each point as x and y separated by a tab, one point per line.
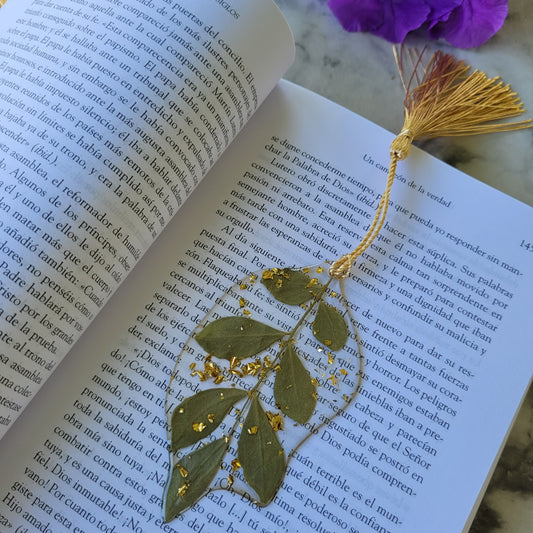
111	114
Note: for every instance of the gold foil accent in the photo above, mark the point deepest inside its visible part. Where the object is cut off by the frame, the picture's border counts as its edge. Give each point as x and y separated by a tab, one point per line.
275	420
268	274
183	489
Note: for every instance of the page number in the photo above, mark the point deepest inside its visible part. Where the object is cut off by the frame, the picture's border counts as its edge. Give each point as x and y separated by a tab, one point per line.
527	245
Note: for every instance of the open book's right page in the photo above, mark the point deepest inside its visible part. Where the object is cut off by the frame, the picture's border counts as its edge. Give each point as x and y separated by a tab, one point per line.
442	300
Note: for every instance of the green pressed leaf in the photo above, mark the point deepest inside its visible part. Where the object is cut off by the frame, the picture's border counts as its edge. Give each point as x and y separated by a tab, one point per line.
198	416
191	477
237	336
329	327
292	287
260	454
294	391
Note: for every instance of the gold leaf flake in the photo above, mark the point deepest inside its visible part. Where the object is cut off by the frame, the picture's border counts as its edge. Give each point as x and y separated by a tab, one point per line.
183	489
268	274
183	472
253	430
279	283
330	358
312	283
235	464
246	312
200	375
242	302
243	286
252	369
211	417
343	372
319	270
275	420
327	342
198	426
333	379
231	480
306	270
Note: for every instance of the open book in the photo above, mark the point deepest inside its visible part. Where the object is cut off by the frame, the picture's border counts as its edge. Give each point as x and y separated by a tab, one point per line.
157	134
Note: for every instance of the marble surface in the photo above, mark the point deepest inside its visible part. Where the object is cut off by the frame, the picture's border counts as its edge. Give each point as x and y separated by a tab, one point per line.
358	72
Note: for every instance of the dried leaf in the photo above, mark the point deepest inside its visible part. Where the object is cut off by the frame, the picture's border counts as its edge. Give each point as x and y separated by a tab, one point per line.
260	454
292	287
237	336
191	477
199	415
329	327
294	391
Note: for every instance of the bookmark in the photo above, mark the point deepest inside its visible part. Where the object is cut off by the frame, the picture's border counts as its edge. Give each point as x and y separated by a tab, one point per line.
278	358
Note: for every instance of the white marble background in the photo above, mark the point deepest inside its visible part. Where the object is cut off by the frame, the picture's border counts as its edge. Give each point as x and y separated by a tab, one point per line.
358	71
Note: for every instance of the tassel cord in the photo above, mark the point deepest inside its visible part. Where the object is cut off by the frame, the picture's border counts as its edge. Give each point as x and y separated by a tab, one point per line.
340	269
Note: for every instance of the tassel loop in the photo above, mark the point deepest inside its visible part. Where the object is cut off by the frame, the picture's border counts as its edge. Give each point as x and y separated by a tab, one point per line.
401	145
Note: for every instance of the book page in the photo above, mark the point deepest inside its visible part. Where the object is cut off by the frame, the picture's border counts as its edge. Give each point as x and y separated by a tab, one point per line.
440	301
111	115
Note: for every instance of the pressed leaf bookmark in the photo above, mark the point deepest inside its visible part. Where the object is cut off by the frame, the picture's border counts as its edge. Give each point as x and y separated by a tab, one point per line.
265	383
267	379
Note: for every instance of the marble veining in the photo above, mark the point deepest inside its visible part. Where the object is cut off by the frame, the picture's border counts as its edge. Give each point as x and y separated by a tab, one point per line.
358	72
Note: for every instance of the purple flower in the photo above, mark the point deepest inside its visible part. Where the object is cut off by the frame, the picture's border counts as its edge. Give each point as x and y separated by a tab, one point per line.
463	23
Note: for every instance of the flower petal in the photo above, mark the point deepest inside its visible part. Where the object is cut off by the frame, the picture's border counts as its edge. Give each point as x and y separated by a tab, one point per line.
463	23
390	19
473	22
440	10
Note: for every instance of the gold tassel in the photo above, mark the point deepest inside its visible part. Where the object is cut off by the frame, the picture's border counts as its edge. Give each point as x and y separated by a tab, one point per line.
447	101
